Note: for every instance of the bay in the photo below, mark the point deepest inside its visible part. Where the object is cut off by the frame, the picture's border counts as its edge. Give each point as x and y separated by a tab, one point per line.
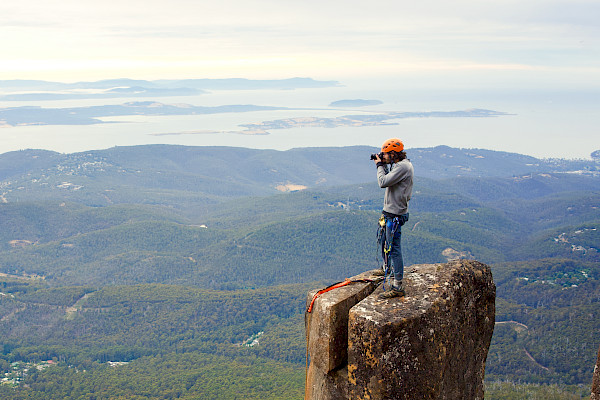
542	123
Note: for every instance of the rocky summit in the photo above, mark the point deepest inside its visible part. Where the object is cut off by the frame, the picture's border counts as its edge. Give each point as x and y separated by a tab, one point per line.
596	380
430	344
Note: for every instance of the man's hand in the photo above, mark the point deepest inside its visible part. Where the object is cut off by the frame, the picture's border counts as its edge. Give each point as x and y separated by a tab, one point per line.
384	160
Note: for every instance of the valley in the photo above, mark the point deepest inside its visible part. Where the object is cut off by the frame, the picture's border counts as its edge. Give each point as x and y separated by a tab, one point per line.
190	258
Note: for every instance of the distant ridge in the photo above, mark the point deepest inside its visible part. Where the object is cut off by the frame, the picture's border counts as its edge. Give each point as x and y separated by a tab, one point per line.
355	103
178	175
114	88
352	164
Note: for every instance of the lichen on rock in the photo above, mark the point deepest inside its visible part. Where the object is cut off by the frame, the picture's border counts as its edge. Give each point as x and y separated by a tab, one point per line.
430	344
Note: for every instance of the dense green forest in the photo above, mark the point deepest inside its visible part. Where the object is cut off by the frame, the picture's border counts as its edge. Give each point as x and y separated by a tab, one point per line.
138	276
189	375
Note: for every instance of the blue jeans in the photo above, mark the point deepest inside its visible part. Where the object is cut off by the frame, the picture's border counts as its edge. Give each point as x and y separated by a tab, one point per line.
393	234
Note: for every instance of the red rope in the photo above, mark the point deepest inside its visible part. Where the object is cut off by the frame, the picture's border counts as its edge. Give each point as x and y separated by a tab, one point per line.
334	286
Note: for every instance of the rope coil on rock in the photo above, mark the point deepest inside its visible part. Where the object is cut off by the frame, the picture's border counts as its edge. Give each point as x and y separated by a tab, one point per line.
335	286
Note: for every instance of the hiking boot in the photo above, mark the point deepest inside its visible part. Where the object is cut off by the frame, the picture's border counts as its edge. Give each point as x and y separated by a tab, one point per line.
393	292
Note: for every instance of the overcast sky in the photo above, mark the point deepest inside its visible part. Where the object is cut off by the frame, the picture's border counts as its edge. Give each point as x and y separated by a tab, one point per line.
508	42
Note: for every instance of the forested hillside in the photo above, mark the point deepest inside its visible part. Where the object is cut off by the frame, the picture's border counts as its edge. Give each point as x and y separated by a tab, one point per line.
198	177
193	268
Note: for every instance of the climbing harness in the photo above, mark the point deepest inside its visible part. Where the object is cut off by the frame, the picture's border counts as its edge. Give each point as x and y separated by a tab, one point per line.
386	248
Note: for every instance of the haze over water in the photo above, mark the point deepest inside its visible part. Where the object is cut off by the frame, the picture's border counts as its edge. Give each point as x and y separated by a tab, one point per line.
542	124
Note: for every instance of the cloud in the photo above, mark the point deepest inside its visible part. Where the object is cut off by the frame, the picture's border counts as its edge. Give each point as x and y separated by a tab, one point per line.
237	37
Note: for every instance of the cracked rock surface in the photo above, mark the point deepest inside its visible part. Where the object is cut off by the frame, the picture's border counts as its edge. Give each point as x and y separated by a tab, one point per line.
430	344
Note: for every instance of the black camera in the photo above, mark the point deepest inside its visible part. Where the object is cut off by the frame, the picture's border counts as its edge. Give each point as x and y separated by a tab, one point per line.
374	156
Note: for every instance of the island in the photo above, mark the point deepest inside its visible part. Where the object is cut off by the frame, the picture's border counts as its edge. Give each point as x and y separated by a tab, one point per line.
35	90
33	115
358	120
29	115
355	103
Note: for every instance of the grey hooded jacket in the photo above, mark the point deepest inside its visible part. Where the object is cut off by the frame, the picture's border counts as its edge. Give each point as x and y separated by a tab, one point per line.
398	183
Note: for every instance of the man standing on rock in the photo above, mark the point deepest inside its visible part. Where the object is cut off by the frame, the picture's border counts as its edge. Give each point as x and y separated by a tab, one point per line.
397	179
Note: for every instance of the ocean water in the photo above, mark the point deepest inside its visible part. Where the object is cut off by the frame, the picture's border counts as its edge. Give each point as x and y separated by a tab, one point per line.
541	123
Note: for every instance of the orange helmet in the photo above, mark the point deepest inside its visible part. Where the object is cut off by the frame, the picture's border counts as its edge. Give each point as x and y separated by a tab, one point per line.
393	144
